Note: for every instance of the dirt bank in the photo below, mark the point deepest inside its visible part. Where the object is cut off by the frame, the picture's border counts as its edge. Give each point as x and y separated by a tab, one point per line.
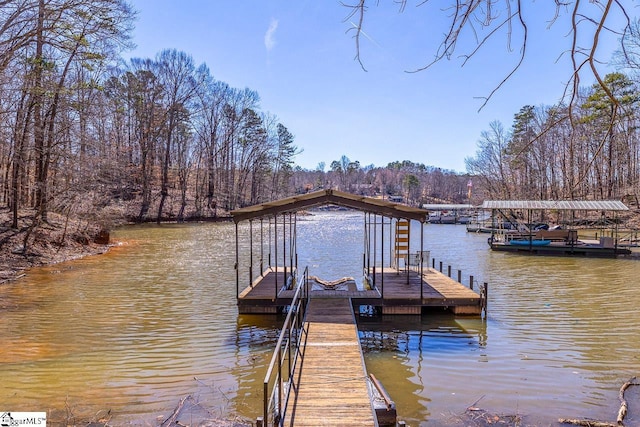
58	239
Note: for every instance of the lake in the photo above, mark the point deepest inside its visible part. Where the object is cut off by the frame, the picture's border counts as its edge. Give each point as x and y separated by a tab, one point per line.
154	320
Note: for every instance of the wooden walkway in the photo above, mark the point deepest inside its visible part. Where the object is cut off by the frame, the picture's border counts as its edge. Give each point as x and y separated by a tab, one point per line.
331	387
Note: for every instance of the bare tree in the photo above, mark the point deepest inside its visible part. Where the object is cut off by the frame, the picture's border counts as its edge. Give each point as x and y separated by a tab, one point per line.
589	23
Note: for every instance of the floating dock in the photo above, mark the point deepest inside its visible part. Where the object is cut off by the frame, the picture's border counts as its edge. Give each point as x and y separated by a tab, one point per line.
395	292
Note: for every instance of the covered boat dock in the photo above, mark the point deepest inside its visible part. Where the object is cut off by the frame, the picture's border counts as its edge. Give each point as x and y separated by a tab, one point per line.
396	279
564	239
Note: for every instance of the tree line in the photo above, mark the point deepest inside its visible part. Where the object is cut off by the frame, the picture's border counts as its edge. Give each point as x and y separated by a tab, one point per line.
588	151
84	132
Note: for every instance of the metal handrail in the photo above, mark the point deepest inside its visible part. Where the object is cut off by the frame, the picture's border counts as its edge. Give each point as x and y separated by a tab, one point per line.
288	343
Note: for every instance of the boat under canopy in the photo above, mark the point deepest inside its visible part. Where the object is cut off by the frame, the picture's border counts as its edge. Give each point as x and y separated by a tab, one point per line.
527	236
443	213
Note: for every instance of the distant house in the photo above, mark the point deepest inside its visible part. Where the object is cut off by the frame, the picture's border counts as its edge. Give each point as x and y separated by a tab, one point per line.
396	199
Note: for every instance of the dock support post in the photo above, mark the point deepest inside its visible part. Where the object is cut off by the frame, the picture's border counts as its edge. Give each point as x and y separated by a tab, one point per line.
440	266
433	263
421	262
375	247
449	271
471	282
251	252
486	297
275	250
284	249
381	253
459	276
236	265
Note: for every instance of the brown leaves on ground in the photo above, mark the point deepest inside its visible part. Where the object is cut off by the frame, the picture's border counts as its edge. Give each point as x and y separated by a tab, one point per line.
33	244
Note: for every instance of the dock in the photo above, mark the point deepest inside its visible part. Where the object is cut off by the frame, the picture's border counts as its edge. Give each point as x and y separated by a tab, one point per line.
317	374
395	292
331	385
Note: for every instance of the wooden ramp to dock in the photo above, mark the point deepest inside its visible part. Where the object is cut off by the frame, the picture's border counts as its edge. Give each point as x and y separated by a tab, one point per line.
331	382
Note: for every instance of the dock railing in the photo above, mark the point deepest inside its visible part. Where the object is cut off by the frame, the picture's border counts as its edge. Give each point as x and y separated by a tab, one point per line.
279	377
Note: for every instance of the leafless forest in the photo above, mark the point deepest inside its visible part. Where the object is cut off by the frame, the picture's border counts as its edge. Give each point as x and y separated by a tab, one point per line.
86	134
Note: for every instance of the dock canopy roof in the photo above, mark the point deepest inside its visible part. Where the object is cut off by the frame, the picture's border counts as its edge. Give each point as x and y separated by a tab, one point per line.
330	197
559	205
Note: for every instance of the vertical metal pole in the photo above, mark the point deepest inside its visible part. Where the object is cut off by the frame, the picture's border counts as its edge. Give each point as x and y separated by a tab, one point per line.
406	262
261	246
289	349
421	261
270	240
291	248
275	246
280	383
530	230
390	242
284	245
295	238
265	403
250	252
471	282
382	255
375	240
237	260
364	244
369	243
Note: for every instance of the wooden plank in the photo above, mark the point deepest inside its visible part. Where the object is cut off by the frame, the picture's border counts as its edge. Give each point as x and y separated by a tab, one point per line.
332	387
400	288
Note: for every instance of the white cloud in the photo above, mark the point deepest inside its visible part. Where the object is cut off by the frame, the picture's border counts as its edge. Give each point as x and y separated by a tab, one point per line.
270	36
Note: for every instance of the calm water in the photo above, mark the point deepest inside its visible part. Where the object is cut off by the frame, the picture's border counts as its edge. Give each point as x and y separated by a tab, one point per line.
154	320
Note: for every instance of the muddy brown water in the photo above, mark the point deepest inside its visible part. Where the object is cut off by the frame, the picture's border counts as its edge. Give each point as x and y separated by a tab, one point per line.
154	320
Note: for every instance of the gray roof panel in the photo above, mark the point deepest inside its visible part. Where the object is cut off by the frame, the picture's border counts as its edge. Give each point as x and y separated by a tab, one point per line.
559	205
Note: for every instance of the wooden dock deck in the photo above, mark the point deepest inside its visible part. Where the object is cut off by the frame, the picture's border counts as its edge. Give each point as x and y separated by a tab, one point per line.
395	292
401	292
331	387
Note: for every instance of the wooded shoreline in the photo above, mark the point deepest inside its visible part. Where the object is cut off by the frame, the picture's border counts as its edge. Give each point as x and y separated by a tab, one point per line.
58	240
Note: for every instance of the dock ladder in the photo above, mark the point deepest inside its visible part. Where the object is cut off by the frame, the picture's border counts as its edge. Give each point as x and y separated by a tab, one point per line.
401	242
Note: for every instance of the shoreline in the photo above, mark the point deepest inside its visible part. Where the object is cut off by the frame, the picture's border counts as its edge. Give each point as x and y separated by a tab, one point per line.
60	239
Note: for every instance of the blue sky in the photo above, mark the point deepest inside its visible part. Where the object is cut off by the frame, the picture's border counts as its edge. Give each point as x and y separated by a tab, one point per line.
299	56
